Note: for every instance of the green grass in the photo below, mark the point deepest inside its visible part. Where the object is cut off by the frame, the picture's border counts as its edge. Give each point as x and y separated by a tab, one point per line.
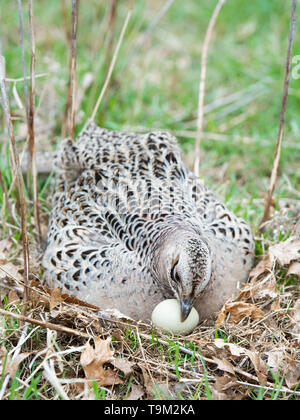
154	87
160	82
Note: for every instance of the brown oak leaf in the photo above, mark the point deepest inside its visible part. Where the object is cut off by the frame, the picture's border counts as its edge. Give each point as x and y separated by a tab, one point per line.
93	360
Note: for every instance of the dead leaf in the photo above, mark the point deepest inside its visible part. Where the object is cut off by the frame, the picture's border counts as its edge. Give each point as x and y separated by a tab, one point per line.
260	367
293	376
258	290
286	252
11	365
124	365
275	306
148	383
93	359
234	349
275	360
219	395
264	265
224	365
239	310
294	268
7	269
55	298
222	388
136	392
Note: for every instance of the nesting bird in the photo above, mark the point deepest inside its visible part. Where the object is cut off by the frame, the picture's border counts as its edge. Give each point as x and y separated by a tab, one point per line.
131	226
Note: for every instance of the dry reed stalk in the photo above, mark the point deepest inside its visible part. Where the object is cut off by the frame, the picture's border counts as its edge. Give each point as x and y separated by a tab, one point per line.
66	22
17	167
71	100
111	29
111	67
30	121
68	124
202	84
68	34
274	173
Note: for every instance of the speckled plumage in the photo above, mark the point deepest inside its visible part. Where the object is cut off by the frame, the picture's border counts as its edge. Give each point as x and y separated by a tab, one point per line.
131	225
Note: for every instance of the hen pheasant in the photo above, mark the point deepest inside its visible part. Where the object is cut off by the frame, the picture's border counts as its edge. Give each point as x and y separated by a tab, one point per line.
131	226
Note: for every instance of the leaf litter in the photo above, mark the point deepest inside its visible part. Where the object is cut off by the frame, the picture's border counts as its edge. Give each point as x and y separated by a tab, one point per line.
253	347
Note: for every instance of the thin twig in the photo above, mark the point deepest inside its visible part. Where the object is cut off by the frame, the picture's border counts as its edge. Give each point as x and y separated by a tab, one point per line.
66	22
75	4
18	171
111	29
275	167
44	324
111	67
68	34
202	84
30	122
68	125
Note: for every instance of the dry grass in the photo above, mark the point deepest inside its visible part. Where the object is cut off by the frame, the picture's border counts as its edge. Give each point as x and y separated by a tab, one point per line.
252	352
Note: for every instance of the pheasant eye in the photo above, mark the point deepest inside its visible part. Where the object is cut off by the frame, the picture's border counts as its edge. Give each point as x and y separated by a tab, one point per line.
174	273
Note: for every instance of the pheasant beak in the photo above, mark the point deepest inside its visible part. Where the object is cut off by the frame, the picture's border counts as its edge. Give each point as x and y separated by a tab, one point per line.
186	304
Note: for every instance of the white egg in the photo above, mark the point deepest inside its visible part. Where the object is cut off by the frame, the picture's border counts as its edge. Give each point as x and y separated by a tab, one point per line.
167	315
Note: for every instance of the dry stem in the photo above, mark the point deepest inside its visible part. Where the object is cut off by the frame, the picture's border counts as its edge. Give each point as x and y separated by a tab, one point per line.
111	67
75	4
202	84
30	122
65	124
18	171
110	29
68	125
275	167
44	324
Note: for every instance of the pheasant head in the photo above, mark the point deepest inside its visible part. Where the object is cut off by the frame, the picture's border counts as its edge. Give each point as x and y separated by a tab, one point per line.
184	267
